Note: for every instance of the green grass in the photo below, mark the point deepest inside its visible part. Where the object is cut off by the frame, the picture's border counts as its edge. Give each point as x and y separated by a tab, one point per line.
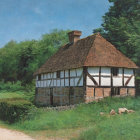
16	95
87	117
119	127
10	95
81	116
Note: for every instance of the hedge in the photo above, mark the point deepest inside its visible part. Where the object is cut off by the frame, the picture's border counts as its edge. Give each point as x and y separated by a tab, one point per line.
12	110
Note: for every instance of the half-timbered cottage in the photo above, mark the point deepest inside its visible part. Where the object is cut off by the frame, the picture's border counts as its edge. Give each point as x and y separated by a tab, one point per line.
84	70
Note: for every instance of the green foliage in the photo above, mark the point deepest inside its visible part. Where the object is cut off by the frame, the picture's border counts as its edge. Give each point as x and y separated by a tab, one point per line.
121	27
14	109
18	61
84	115
9	86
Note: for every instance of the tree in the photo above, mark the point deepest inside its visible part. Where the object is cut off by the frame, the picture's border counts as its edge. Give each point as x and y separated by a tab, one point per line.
18	61
121	27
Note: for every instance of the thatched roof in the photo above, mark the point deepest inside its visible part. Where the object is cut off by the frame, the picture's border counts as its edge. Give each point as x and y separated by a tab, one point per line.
93	50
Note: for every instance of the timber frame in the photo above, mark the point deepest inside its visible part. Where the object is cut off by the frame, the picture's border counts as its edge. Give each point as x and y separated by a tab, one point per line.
81	71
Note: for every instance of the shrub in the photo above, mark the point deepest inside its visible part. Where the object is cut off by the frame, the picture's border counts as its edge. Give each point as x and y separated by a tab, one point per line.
14	109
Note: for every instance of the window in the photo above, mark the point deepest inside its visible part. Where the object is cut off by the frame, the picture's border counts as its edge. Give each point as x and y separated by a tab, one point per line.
58	74
39	77
115	71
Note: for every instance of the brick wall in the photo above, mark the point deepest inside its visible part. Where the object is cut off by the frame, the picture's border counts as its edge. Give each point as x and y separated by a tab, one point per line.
95	93
131	91
123	91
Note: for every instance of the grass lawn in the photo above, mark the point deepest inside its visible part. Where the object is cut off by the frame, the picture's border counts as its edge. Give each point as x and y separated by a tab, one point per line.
85	122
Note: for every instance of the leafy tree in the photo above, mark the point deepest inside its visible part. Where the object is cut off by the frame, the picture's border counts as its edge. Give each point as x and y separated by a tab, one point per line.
121	27
18	61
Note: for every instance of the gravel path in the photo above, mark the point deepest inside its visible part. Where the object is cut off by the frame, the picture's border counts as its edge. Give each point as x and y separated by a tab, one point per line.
6	134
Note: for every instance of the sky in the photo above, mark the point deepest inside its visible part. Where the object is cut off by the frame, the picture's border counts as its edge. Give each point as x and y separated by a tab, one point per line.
29	19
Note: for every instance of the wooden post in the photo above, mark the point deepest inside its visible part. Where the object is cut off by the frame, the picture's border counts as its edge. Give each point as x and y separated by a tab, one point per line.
123	76
85	78
111	77
64	78
69	85
99	76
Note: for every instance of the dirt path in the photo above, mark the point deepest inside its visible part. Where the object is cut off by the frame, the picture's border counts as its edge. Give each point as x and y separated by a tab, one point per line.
6	134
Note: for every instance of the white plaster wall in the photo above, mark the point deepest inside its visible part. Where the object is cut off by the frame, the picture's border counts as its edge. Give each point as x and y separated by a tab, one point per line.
51	83
72	82
120	72
73	73
93	70
76	81
66	82
90	82
50	79
54	75
48	82
54	82
128	72
45	83
81	82
105	81
37	84
106	71
62	82
131	82
58	83
66	73
61	74
79	71
41	85
48	75
42	76
117	81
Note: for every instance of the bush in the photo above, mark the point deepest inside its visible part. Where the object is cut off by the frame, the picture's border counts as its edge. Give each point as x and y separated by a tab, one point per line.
14	109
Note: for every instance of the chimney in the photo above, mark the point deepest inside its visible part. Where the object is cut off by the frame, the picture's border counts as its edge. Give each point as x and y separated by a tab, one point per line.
74	36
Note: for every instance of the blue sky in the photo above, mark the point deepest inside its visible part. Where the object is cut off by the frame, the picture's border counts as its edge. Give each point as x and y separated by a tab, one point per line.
28	19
